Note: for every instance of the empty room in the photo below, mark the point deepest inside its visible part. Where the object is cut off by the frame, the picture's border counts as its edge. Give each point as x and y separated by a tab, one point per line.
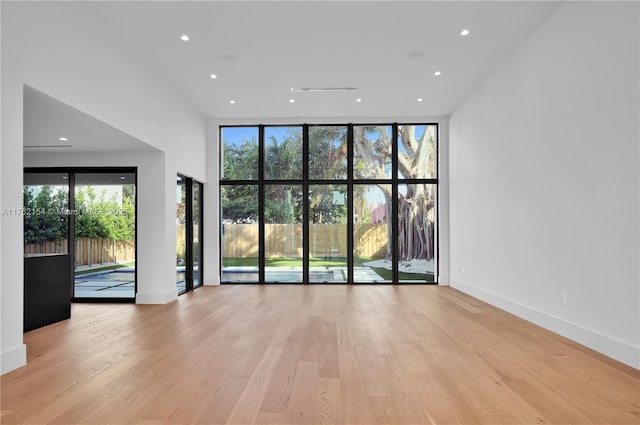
320	212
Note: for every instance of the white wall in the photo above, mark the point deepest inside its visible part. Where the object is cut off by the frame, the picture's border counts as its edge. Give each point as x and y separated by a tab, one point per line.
212	194
544	183
63	50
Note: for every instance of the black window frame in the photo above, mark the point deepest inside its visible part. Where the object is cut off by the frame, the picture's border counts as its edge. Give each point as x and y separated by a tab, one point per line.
350	181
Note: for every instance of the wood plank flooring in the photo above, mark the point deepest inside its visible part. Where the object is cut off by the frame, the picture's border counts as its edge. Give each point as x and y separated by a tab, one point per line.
315	354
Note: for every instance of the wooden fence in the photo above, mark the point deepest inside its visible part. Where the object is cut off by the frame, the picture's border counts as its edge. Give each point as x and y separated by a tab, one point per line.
285	240
181	238
88	250
241	241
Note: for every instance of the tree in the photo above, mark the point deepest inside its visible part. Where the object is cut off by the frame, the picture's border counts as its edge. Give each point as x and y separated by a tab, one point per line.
327	160
46	218
283	159
328	152
240	162
99	217
416	160
239	202
327	148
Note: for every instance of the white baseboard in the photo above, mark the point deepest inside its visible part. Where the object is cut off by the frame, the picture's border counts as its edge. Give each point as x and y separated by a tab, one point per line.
611	347
212	280
13	358
156	297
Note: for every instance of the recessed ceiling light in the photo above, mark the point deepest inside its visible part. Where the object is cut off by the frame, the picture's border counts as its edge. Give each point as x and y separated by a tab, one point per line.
65	177
122	177
62	139
358	100
232	102
213	76
419	99
464	32
184	37
292	101
437	73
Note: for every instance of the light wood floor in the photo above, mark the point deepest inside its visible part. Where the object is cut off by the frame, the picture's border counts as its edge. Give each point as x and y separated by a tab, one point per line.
315	354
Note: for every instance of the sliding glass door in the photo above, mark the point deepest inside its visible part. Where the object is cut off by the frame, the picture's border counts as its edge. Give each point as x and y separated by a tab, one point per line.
105	235
90	215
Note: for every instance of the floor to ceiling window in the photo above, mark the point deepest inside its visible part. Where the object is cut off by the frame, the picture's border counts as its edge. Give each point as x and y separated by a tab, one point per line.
189	241
197	232
329	203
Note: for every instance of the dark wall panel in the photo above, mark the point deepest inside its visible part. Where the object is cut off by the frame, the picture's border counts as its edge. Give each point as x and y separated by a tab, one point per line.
47	290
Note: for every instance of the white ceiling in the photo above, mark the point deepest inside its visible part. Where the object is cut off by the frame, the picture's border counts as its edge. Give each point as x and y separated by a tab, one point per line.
46	119
389	50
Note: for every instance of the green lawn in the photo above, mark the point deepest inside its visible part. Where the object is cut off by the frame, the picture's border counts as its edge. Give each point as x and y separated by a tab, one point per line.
388	274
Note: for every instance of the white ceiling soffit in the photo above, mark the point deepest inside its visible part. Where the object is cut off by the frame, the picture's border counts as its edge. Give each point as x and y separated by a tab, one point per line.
47	120
388	50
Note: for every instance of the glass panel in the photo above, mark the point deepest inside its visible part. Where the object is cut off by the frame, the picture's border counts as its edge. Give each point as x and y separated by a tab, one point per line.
328	233
197	232
328	153
239	153
372	233
240	238
416	152
372	152
46	213
283	233
416	232
283	153
181	233
105	235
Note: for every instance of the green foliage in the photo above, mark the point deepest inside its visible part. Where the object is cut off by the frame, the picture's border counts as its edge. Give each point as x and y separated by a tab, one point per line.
284	160
105	218
47	217
239	202
283	204
328	152
327	204
241	162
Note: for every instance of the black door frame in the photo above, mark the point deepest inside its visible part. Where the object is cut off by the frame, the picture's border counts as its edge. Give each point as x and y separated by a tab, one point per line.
72	171
189	183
